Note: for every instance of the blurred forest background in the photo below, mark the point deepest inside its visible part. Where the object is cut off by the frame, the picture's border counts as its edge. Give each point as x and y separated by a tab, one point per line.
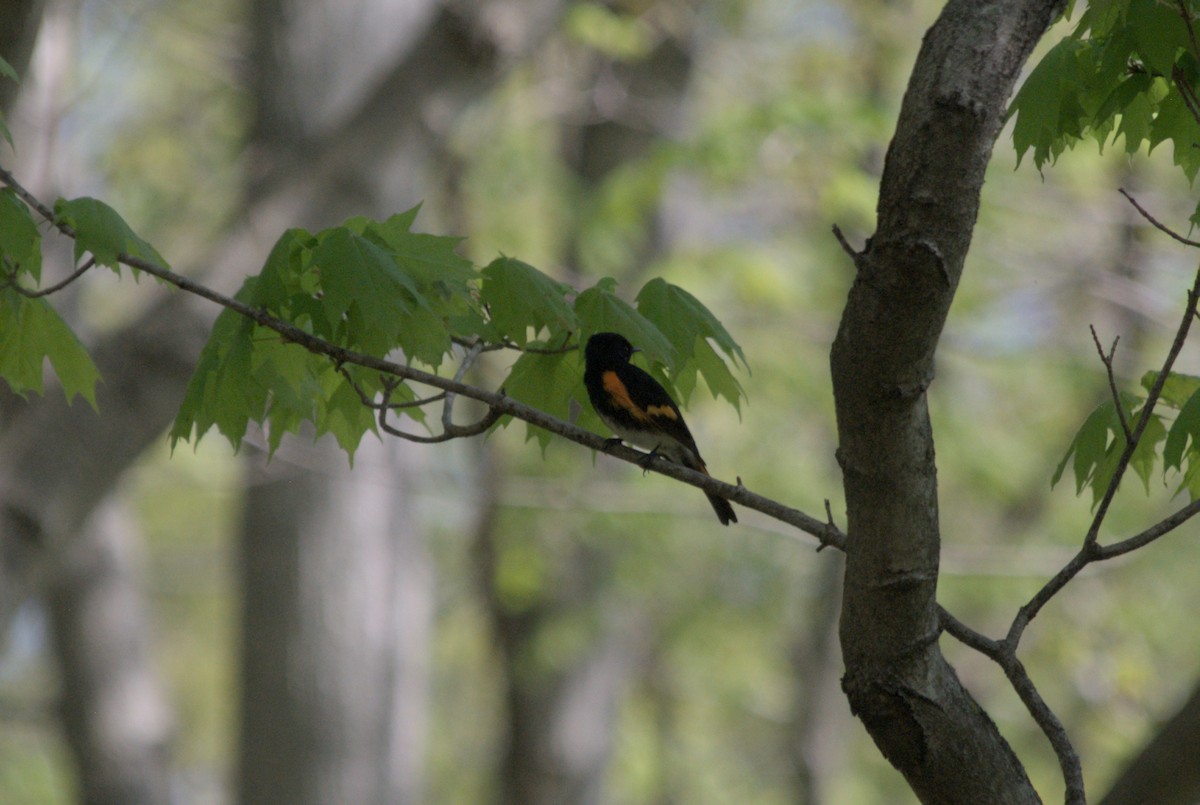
478	622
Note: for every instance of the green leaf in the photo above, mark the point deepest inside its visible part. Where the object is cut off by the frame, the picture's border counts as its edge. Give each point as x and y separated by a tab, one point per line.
692	329
1178	389
100	230
1159	33
31	331
1089	446
716	374
20	241
1146	452
1047	107
523	300
344	416
1174	123
1185	429
683	319
550	383
222	391
362	283
7	71
600	310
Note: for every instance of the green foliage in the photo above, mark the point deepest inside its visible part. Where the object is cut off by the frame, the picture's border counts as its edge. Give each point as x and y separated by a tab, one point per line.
1127	70
32	332
376	287
372	287
7	71
20	241
521	299
1123	71
1100	440
599	27
1181	449
100	230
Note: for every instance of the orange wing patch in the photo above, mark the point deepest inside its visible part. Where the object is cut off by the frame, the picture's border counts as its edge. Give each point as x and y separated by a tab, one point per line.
620	396
662	410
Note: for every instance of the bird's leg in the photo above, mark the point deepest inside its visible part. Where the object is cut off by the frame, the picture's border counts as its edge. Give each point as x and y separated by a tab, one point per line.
611	442
648	459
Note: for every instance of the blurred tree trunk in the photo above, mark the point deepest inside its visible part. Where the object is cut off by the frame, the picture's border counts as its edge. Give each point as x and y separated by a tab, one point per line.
898	683
1166	771
19	24
337	585
337	596
816	666
114	710
425	62
560	724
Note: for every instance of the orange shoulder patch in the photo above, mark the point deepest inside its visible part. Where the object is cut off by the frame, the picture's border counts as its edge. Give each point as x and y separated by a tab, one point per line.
620	395
663	411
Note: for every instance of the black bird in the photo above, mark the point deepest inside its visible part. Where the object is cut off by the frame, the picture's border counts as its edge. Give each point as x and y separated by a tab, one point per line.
639	410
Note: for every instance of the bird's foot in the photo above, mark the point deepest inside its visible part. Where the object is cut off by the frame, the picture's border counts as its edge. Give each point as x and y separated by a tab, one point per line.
646	461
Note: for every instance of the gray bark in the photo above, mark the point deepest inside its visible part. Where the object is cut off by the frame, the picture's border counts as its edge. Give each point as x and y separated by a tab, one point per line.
882	361
337	614
114	711
338	588
1166	771
19	24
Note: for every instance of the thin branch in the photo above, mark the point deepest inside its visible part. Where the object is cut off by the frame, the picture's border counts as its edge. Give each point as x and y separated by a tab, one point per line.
1155	222
1187	21
1004	652
1147	412
448	407
855	256
1091	551
387	382
28	198
1052	727
1187	92
499	404
1107	360
964	634
1159	529
55	288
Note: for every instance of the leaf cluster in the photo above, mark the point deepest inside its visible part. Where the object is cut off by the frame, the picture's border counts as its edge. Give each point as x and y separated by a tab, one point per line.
1094	451
1128	70
366	288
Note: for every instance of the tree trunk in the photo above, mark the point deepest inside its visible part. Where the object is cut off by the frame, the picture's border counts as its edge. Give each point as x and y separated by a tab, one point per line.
337	595
1166	771
897	681
114	711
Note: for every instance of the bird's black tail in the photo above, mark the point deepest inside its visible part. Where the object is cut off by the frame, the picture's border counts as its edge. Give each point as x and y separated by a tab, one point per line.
723	508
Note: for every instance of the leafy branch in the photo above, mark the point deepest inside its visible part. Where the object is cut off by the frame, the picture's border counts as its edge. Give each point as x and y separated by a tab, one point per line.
1004	651
381	389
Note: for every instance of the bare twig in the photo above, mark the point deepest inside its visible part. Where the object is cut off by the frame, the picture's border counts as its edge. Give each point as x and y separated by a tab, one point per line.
1155	222
56	287
448	408
1051	726
846	247
388	382
1107	360
1159	529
